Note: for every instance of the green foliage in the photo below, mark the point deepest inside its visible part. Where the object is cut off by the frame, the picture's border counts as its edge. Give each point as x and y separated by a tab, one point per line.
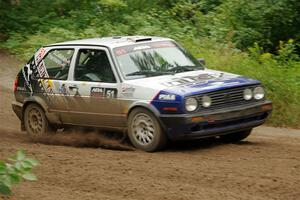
263	21
286	53
17	169
238	22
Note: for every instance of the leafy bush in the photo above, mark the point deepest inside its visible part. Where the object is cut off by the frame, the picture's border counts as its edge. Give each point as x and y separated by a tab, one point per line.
16	170
263	21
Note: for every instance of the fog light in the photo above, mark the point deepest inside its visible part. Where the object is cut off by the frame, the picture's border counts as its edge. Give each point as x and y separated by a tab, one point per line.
258	93
206	101
248	94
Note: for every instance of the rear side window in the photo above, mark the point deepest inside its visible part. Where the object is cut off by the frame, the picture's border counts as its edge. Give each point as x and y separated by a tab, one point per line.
93	65
57	63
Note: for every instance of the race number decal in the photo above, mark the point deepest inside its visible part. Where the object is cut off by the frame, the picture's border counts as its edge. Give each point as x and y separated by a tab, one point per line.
103	92
110	93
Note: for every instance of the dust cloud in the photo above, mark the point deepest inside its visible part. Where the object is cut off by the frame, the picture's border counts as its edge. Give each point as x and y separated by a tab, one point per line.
82	139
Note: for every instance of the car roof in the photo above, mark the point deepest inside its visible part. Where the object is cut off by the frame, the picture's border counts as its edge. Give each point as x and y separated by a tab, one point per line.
111	42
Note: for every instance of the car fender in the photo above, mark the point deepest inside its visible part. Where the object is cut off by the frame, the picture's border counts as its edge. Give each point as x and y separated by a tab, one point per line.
147	105
52	117
144	104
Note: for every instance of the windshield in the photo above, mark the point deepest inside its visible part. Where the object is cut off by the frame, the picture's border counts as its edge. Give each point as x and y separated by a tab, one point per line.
154	59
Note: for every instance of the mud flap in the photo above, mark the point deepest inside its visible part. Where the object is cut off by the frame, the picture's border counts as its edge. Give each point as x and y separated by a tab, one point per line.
22	126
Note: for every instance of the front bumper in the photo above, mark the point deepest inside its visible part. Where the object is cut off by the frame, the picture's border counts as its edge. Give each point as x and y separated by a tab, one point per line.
216	122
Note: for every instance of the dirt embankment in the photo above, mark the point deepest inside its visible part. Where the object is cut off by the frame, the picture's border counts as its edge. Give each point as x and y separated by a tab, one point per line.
265	166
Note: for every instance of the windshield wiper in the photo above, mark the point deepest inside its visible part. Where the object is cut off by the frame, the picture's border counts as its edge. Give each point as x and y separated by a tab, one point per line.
184	68
148	73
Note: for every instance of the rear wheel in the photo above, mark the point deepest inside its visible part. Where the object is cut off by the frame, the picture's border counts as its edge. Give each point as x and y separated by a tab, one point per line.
235	137
144	131
35	120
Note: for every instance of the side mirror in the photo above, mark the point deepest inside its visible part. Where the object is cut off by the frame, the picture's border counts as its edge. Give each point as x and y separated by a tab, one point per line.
201	60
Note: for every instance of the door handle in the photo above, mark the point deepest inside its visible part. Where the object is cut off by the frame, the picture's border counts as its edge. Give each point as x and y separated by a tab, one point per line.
74	87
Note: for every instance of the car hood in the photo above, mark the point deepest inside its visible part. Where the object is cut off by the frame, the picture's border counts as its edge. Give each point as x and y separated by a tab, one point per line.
193	82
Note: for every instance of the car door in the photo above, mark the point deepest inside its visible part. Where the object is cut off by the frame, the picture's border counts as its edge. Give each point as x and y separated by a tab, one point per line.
50	72
92	94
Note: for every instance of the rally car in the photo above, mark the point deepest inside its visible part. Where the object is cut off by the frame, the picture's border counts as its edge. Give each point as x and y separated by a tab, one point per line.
149	87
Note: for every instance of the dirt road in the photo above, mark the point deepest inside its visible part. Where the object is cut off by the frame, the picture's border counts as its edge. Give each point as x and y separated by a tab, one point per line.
265	166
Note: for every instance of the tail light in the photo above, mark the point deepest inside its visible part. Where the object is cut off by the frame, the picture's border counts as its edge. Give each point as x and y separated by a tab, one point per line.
16	83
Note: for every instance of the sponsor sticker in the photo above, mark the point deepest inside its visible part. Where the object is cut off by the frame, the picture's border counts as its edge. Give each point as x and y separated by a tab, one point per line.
141	48
27	72
42	70
39	55
63	90
127	91
167	97
202	78
119	51
46	84
97	92
218	83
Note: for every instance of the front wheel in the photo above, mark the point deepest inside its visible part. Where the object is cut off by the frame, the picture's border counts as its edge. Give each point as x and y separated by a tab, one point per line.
144	131
235	137
35	120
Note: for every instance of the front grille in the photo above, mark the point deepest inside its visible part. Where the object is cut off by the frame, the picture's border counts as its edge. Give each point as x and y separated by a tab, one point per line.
226	98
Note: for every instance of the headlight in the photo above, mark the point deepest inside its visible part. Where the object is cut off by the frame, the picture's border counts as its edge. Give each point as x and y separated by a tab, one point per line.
206	101
258	93
191	104
248	94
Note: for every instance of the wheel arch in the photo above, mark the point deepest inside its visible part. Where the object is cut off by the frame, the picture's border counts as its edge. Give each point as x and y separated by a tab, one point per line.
148	107
51	117
35	100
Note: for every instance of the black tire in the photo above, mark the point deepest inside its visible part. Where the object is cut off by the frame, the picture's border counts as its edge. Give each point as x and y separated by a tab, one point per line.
144	131
235	137
35	120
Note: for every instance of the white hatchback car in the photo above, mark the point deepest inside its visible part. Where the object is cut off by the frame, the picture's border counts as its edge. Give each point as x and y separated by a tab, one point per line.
149	87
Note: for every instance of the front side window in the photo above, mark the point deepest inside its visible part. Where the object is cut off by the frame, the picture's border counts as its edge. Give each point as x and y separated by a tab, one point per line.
57	63
153	59
93	65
